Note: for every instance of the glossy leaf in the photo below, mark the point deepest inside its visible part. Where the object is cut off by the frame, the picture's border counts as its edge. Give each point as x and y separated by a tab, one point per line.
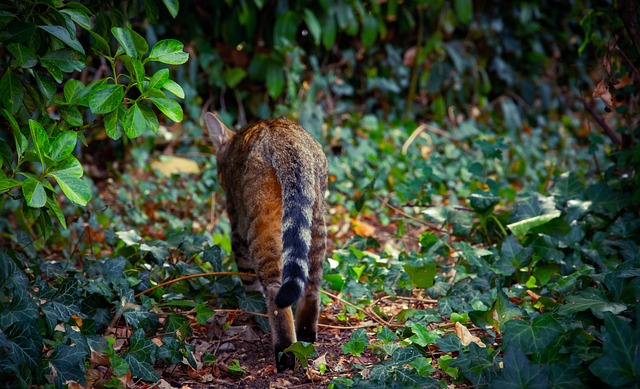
34	193
125	39
24	56
63	34
168	51
106	98
169	107
11	92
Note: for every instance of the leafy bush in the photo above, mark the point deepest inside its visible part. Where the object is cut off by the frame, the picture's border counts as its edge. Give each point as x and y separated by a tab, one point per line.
44	53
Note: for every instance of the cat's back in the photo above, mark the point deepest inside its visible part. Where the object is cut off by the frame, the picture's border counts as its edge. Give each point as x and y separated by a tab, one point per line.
277	147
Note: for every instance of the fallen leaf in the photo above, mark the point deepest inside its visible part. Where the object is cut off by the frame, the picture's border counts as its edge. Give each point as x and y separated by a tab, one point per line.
175	165
466	337
363	228
602	91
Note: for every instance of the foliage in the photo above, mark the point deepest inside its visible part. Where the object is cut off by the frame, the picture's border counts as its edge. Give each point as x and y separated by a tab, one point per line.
467	189
44	53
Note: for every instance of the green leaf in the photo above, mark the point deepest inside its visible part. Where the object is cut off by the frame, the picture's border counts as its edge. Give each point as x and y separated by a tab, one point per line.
62	61
73	89
464	10
313	25
150	117
53	206
63	145
357	343
141	355
21	310
40	140
138	70
11	92
8	183
169	107
125	39
275	79
135	122
106	98
620	364
158	79
68	175
519	372
520	228
592	299
46	85
25	57
422	336
78	16
532	337
68	361
302	351
172	6
140	43
174	88
501	312
33	192
422	276
113	123
369	31
168	51
23	344
423	366
233	76
329	31
445	364
63	34
99	44
71	115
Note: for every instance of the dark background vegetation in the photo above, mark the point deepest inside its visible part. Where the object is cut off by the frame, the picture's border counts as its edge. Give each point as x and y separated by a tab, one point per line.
483	204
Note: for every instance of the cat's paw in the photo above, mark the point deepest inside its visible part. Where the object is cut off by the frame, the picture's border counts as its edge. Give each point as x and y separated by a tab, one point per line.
285	361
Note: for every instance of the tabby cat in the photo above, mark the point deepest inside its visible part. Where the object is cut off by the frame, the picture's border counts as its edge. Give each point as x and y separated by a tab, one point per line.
274	174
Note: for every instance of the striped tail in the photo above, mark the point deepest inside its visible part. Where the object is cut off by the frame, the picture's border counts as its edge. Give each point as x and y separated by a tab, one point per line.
297	202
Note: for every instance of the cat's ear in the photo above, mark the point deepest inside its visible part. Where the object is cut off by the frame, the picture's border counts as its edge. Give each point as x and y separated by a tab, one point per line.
219	134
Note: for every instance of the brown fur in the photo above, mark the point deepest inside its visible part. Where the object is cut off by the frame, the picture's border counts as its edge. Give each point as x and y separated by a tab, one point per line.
275	175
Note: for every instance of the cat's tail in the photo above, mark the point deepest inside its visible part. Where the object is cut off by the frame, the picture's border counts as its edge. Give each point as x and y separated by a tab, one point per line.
297	182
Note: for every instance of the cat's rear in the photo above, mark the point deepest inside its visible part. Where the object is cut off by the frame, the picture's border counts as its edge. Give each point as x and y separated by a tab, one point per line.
275	175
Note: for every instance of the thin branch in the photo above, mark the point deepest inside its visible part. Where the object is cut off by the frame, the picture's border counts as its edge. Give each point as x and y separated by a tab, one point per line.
602	123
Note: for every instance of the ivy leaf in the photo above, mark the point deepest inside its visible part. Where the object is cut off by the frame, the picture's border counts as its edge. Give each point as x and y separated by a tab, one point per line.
21	310
141	355
168	51
357	343
520	228
106	98
69	363
422	276
501	312
519	372
33	192
620	364
422	336
302	351
532	337
23	344
63	34
592	299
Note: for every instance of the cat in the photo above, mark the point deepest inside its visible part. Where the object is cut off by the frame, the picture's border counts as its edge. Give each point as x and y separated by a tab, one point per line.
274	174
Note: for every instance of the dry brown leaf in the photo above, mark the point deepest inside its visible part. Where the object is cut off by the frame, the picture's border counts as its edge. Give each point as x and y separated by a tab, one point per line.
174	165
602	91
466	337
363	228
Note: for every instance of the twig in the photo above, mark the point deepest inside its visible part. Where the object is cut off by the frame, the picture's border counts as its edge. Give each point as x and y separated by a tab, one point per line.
600	120
221	273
